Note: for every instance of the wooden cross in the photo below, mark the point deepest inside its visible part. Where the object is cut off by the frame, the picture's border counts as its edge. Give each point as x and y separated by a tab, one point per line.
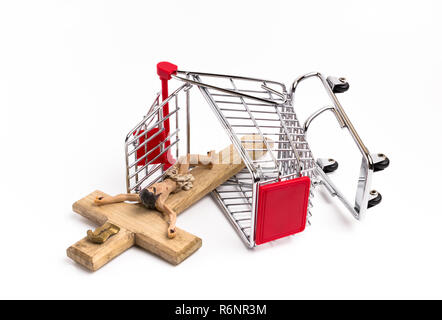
147	228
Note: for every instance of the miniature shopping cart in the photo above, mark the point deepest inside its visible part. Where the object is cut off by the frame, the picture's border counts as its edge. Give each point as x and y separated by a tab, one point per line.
271	197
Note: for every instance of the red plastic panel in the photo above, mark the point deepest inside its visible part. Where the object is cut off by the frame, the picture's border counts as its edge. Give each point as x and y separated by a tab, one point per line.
282	209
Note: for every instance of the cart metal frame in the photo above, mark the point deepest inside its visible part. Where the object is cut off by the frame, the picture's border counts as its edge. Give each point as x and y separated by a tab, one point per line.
248	106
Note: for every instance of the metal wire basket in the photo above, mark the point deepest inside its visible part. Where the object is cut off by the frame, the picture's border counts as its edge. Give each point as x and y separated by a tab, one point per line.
254	200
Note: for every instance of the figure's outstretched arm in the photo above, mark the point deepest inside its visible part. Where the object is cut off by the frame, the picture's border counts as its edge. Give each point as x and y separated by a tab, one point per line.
118	198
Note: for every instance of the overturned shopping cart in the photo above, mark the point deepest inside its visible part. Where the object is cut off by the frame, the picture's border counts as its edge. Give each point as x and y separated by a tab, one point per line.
271	197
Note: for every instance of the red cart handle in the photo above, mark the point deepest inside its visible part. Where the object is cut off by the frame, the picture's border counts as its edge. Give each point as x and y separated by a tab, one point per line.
165	71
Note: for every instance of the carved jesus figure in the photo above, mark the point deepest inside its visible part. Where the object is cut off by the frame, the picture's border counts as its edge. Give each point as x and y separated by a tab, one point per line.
178	177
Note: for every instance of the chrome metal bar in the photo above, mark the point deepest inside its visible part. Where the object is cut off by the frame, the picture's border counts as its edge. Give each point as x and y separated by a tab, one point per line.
253	126
236	204
254	111
251	104
309	120
255	195
264	86
367	166
127	168
188	118
333	190
231	191
215	75
177	153
235	93
236	198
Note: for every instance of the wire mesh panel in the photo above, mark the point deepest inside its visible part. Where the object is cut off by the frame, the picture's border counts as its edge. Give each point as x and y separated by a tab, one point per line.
152	145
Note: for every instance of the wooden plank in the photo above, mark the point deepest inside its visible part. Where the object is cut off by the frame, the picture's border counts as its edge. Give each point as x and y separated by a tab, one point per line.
148	228
93	256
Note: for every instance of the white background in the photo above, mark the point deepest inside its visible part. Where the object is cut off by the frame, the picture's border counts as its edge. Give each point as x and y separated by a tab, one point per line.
76	76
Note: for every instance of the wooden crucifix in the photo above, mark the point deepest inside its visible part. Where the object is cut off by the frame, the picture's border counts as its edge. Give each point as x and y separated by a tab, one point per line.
134	224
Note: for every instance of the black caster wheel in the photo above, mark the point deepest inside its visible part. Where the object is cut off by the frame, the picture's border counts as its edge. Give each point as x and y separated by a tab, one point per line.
376	198
328	165
381	162
338	85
